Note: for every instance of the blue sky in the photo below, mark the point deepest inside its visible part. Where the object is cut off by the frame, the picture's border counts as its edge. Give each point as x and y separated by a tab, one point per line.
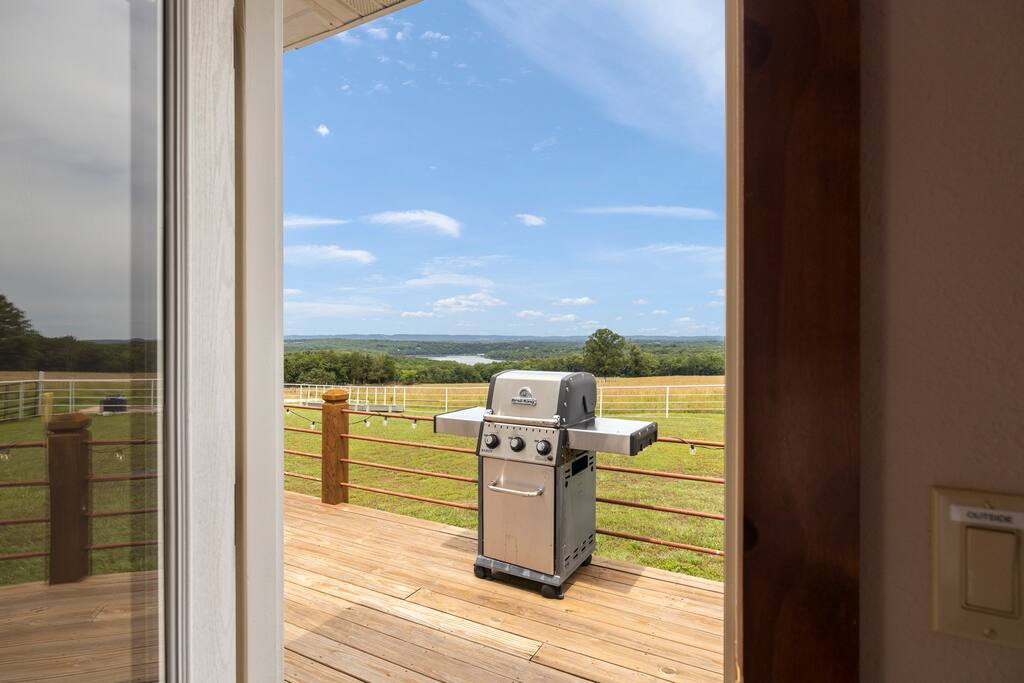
508	167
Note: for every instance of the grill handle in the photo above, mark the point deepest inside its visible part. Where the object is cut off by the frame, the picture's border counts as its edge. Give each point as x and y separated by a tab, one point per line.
493	486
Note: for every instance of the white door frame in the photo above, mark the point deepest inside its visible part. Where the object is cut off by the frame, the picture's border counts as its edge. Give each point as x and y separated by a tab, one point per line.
260	349
199	627
259	352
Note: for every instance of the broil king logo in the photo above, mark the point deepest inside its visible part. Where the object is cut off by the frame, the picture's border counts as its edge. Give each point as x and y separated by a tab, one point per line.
525	398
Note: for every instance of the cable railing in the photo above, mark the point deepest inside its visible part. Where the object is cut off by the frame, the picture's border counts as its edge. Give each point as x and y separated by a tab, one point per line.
69	452
335	437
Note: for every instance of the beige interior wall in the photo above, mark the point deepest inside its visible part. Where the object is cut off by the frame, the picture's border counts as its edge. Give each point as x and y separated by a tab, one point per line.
943	307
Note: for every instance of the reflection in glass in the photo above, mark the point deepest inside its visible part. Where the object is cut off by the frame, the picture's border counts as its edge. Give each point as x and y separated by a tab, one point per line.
80	338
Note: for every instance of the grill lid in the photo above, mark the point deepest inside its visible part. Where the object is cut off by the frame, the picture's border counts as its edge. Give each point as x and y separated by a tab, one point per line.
533	396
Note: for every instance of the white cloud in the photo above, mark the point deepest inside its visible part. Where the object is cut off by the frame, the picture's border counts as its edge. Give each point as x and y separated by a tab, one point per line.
717	292
377	32
419	314
659	311
292	292
640	302
464	303
307	254
438	222
434	279
322	130
578	301
347	37
380	86
295	220
687	213
549	141
649	64
383	59
345	88
434	35
477	261
401	35
692	249
530	219
551	318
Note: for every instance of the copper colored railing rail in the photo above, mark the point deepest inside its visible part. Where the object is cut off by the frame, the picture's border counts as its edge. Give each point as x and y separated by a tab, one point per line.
68	449
335	462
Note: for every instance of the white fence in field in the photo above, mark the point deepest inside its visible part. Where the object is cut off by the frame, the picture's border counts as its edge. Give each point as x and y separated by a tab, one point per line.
611	399
20	399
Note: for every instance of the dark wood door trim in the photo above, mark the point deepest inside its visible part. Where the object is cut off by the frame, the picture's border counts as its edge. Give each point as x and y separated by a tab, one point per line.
801	281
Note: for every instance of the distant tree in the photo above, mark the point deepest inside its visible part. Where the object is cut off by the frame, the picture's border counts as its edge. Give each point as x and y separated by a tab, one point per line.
317	375
638	362
17	338
604	353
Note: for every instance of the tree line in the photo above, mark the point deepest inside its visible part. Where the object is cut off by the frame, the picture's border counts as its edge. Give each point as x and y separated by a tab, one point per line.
23	348
605	354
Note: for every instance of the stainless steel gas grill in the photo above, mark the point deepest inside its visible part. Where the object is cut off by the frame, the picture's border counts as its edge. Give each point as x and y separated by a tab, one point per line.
536	441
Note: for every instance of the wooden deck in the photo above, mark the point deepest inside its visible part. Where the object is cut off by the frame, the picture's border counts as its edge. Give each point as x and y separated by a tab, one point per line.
373	596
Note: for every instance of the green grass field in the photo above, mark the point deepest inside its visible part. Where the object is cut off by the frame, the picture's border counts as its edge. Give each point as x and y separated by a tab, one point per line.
30	463
667	457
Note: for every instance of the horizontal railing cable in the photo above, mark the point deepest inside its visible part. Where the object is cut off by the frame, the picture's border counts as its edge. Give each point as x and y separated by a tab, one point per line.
399	494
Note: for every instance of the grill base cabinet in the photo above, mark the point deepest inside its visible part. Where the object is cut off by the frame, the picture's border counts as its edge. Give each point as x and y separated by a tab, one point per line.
537	493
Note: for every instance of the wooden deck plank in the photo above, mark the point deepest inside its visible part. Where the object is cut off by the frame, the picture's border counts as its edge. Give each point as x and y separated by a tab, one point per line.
466	628
371	596
629	657
389	647
346	659
524	599
452	646
299	669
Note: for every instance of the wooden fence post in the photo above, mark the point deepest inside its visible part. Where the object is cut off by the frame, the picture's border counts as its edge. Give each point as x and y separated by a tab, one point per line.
67	453
334	447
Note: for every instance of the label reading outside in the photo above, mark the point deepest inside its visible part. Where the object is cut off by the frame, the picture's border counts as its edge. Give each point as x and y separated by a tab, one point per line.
1012	519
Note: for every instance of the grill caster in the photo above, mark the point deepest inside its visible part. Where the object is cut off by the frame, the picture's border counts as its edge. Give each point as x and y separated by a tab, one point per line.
481	572
586	562
551	592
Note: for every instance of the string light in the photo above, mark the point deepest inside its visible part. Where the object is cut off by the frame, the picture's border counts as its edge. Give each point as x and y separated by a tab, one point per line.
693	449
5	455
385	420
119	455
414	424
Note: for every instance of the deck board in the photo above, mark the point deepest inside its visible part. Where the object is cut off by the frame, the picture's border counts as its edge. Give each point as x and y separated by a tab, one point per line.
370	596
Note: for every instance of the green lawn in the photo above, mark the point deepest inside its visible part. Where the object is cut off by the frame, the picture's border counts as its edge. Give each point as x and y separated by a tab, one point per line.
667	457
30	463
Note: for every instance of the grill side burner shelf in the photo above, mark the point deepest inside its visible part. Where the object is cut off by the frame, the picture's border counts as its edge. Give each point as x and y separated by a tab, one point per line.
537	442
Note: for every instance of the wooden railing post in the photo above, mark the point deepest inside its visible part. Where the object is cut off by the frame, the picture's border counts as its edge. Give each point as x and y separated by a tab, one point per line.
334	448
67	453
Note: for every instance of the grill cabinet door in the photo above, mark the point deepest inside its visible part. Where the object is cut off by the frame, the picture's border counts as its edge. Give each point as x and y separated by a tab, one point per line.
519	523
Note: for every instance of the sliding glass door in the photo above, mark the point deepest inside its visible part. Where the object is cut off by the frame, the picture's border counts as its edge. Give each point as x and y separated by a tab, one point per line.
81	339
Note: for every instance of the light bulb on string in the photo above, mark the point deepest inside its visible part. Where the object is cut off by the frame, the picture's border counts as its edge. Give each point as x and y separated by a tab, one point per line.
5	455
385	421
119	455
414	424
693	449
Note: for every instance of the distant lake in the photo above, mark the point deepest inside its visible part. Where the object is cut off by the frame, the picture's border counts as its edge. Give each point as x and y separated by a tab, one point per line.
465	360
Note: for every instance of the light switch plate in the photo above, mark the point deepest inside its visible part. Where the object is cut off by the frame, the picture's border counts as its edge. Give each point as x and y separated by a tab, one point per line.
954	511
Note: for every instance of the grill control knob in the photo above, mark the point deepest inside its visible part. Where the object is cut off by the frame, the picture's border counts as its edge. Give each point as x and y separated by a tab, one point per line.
516	443
491	440
543	446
